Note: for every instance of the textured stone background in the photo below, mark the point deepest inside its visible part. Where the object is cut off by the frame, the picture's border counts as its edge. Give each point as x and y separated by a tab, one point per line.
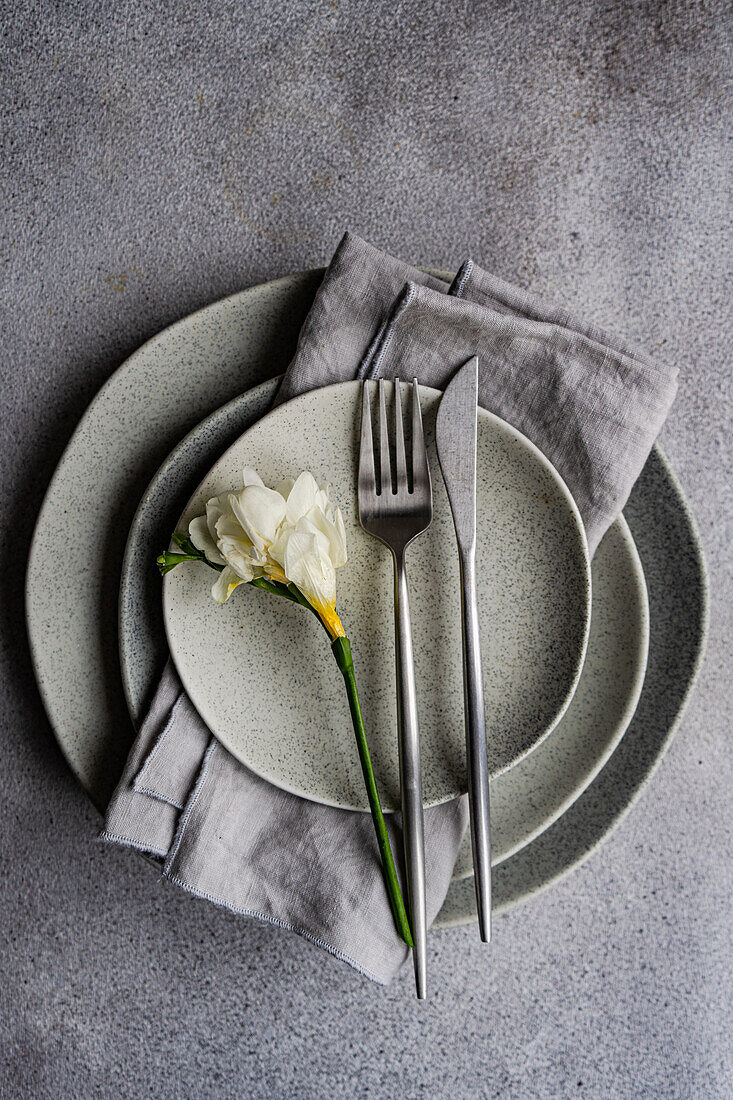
159	155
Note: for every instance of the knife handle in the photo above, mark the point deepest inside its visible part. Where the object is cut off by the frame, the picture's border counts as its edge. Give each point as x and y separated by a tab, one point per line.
478	772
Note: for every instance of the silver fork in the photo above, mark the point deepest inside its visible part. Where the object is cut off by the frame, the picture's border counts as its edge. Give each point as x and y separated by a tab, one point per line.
396	516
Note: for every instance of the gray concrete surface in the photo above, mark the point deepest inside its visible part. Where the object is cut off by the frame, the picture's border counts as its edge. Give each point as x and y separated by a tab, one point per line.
158	155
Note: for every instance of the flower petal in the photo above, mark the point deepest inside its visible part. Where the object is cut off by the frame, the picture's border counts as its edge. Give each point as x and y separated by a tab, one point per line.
260	512
283	487
251	477
274	571
236	549
312	525
229	526
302	497
240	556
225	584
198	529
338	546
332	532
323	497
215	506
276	551
311	571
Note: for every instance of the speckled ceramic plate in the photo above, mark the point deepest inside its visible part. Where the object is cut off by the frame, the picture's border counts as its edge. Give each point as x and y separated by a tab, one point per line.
158	395
146	407
674	566
257	670
143	649
528	797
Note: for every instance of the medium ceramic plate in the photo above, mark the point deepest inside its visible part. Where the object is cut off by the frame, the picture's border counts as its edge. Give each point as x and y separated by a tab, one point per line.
149	404
261	677
142	645
674	567
528	797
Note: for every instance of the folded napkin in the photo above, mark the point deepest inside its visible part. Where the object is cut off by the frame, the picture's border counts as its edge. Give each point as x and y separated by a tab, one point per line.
591	403
227	835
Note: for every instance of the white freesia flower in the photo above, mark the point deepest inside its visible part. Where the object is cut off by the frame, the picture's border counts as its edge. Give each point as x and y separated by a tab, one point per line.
293	534
289	540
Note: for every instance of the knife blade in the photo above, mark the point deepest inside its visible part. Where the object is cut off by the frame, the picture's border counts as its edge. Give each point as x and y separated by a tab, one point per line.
456	440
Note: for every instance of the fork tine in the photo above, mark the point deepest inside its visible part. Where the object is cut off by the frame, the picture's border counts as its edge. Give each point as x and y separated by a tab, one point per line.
400	457
420	468
385	468
367	480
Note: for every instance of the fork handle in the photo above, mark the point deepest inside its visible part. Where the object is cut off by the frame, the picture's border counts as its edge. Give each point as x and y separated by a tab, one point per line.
410	778
478	774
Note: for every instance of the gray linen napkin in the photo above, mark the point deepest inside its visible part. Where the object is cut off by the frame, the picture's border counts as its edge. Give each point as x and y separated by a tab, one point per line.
226	835
591	403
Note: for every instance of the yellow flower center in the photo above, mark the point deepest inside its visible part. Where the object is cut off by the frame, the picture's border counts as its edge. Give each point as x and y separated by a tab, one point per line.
330	619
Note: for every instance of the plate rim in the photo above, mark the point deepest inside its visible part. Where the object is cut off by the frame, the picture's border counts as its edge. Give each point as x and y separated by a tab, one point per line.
34	645
288	281
150	489
700	643
580	545
624	533
628	712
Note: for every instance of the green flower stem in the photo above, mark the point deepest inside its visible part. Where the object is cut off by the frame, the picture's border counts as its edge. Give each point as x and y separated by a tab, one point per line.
274	587
189	552
169	561
185	544
342	652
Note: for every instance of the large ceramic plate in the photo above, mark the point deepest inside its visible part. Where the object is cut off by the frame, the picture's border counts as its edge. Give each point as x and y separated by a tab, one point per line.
158	395
528	797
259	674
146	407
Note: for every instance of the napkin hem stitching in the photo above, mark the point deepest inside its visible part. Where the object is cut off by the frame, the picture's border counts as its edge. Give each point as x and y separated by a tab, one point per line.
117	838
157	795
193	799
455	290
278	922
385	337
198	892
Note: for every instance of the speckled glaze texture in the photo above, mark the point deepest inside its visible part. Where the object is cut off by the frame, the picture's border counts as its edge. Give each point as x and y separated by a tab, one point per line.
674	566
91	722
158	156
529	796
155	398
257	669
142	644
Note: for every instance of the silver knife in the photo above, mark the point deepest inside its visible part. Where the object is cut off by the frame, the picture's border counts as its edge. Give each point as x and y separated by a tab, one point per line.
455	438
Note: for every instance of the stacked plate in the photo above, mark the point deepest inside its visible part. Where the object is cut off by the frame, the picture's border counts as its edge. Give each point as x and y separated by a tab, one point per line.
99	646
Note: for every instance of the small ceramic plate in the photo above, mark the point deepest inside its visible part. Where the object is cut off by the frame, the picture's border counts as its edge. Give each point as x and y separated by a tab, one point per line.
525	799
259	671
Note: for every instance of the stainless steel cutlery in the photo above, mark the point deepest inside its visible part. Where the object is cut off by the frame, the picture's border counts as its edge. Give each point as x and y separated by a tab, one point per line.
396	510
455	438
